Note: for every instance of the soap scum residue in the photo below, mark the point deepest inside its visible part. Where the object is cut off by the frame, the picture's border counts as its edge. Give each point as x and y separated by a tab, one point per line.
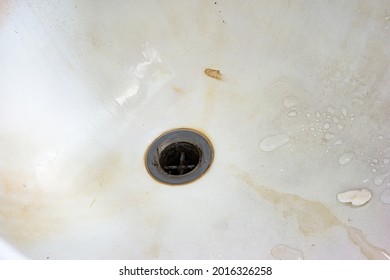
313	216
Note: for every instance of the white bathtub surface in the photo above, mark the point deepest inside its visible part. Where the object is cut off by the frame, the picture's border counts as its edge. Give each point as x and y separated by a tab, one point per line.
299	114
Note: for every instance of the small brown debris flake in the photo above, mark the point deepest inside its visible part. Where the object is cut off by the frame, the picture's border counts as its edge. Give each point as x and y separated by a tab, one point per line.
216	74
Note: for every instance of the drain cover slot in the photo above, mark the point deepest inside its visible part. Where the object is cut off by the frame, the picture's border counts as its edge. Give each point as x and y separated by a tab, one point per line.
179	156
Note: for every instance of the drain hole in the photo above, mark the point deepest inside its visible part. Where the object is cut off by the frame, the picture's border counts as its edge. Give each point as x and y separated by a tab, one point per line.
179	158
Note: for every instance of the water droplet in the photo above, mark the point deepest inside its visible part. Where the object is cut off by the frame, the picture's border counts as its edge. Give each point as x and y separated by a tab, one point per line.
379	179
346	158
380	137
355	197
340	127
318	114
336	119
375	160
344	111
338	142
292	114
373	170
326	126
271	143
386	161
283	252
385	197
290	101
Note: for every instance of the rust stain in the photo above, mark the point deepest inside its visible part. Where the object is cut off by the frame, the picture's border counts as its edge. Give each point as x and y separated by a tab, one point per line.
177	90
31	213
371	251
24	212
5	7
209	103
213	73
99	174
313	217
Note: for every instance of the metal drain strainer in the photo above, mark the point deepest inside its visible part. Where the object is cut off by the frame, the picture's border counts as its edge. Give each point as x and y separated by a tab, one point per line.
179	156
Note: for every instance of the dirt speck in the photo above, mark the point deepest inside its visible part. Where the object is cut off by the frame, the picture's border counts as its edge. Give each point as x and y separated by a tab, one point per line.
24	212
213	73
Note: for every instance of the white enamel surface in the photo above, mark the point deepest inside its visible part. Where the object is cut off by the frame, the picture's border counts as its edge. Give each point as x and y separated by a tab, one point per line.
300	115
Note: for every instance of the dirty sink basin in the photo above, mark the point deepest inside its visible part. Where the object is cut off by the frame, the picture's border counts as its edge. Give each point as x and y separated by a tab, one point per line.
293	96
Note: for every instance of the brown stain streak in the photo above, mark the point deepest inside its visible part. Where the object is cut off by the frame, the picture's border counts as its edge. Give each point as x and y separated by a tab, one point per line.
24	213
209	103
5	7
178	90
30	213
313	217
